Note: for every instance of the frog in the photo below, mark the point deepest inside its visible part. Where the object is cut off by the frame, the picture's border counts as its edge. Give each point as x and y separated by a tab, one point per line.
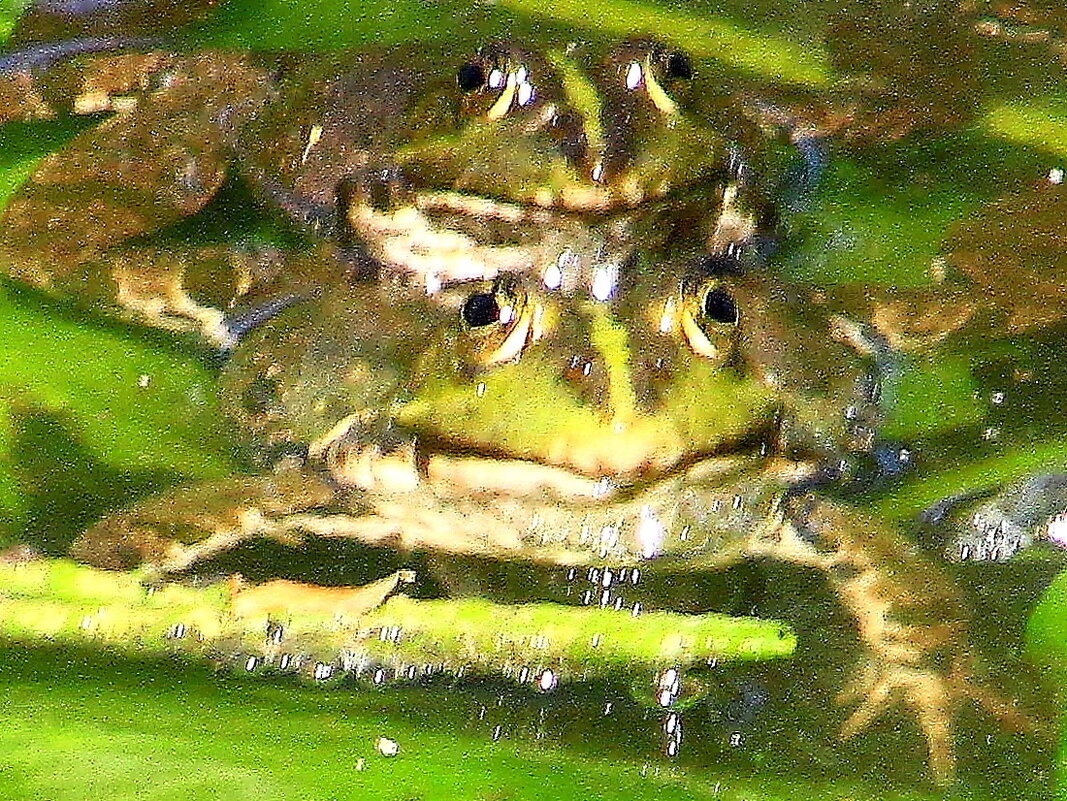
675	421
593	131
611	385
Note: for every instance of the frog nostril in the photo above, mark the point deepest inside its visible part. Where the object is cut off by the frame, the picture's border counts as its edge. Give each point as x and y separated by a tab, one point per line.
721	263
470	76
481	309
587	377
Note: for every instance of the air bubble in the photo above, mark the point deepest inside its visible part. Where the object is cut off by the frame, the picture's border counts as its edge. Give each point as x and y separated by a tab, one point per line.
177	631
670	725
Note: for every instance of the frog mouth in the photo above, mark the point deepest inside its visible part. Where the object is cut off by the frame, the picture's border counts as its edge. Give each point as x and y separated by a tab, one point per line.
513	508
451	475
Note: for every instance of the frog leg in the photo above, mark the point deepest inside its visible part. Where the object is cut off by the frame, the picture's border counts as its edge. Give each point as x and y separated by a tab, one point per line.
175	530
68	229
934	700
104	24
907	613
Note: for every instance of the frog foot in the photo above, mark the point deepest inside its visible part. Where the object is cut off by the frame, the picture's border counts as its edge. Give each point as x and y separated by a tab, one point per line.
935	697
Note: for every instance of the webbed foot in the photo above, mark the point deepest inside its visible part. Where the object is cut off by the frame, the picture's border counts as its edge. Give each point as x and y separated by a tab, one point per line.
933	696
908	614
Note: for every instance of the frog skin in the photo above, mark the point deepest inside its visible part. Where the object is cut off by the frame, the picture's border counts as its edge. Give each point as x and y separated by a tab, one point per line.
920	70
375	153
540	406
668	415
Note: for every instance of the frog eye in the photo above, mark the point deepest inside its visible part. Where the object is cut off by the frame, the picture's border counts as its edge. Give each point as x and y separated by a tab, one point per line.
499	322
659	74
487	72
496	81
720	307
481	309
677	66
709	321
470	76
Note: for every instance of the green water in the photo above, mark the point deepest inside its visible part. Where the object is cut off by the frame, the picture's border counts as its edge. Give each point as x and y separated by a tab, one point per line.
94	414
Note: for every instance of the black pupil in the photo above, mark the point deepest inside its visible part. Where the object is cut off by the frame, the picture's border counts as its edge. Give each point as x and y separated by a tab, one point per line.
720	307
481	309
679	66
470	76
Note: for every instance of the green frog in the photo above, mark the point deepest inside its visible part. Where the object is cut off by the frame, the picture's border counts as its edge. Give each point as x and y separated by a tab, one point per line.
664	418
376	153
536	338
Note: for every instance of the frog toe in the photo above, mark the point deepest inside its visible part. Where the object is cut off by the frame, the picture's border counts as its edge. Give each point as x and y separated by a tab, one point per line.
881	687
934	697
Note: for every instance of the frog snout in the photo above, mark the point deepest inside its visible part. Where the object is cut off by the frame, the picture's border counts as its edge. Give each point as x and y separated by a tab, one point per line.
618	392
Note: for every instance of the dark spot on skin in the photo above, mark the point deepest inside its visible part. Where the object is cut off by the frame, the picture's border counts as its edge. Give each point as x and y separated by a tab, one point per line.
573	142
260	395
481	309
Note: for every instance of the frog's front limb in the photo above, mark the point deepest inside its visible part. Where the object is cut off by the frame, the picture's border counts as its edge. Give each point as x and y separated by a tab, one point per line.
176	529
907	613
70	229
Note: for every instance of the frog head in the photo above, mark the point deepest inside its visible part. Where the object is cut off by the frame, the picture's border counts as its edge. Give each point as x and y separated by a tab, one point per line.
632	372
579	128
575	129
